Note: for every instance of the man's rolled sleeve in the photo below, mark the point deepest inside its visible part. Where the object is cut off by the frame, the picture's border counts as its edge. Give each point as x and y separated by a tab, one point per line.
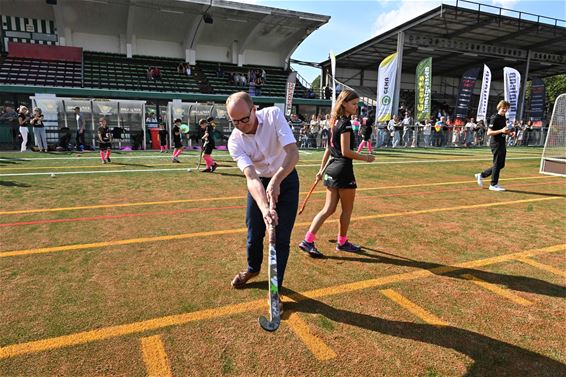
237	153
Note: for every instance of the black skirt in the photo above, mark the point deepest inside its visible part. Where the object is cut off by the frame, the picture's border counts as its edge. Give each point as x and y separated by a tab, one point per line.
340	174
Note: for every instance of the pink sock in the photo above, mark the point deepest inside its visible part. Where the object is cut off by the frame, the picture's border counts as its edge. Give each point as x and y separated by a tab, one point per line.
310	237
177	152
362	144
370	148
162	148
107	153
102	155
342	239
208	161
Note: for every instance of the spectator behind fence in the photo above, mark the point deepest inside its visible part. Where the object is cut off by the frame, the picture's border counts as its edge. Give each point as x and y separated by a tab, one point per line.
10	116
394	127
39	130
23	121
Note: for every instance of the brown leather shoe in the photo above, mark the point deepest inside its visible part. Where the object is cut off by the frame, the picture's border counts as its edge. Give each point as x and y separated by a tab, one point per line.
242	278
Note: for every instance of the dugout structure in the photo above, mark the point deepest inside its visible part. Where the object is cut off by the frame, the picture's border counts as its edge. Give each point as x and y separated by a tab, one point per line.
553	160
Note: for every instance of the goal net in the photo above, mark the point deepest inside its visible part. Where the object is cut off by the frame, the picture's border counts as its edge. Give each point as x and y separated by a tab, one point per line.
553	161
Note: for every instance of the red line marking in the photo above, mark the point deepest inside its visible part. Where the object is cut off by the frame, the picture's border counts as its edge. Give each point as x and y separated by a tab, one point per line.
118	216
160	213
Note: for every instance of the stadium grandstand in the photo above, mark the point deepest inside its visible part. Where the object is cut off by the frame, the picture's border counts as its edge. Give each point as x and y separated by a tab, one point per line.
157	52
457	37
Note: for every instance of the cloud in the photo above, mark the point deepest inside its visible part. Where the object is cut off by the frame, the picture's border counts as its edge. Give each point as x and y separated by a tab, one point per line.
509	4
405	10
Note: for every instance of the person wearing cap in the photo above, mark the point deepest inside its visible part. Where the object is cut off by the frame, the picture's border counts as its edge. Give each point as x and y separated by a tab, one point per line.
208	143
23	121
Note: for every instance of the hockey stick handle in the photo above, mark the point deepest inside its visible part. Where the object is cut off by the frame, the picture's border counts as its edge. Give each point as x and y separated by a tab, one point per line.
313	187
271	228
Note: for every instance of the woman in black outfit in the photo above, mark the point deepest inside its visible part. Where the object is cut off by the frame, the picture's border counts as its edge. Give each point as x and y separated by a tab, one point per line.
339	175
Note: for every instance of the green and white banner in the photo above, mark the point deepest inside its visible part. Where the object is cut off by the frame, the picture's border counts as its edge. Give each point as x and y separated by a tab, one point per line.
386	87
423	84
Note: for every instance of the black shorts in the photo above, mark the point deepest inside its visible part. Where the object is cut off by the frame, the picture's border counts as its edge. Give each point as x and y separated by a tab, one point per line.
340	174
178	144
208	149
105	145
366	137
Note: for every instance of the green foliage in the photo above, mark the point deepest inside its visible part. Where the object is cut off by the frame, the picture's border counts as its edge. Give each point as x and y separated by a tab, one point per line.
315	85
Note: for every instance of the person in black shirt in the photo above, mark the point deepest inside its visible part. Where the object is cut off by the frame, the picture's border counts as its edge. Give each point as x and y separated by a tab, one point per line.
163	138
176	131
104	140
208	144
339	175
497	130
366	132
23	121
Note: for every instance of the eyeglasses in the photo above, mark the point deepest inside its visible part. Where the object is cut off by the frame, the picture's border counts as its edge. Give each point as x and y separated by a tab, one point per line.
243	120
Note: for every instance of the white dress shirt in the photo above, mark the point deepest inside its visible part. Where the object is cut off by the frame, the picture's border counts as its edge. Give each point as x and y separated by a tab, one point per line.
264	149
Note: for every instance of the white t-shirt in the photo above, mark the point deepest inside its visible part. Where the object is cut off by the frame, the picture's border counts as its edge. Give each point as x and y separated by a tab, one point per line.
264	149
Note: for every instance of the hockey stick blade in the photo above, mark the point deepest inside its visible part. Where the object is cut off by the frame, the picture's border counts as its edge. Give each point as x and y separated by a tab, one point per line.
275	314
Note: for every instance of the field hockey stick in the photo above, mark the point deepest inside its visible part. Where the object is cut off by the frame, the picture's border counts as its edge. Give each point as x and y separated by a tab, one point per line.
273	285
312	188
201	153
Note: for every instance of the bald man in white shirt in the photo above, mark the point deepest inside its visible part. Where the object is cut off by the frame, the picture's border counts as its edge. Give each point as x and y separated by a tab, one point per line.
263	146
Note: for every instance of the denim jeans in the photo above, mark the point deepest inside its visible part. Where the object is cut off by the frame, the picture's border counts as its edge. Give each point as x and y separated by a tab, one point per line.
287	211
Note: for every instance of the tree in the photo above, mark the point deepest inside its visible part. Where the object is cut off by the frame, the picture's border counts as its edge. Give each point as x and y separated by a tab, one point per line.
554	86
315	85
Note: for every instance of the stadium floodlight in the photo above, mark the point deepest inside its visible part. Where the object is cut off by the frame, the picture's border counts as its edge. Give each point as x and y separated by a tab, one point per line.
553	160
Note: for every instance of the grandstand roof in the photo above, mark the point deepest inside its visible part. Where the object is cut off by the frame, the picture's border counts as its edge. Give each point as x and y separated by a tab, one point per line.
254	27
459	38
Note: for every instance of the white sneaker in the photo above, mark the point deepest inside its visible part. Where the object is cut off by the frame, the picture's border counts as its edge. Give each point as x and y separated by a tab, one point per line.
479	179
496	188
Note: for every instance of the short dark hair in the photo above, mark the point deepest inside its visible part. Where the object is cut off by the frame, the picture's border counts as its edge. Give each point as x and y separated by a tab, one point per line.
210	119
178	120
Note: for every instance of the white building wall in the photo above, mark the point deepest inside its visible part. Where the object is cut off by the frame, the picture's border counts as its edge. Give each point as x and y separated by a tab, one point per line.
168	49
96	42
213	53
263	58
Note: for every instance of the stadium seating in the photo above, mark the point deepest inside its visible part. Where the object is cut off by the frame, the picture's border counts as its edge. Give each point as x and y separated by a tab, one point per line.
116	71
21	71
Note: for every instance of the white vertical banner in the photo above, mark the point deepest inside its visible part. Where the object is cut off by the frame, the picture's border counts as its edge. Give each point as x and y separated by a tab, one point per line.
512	84
484	94
333	70
386	87
291	81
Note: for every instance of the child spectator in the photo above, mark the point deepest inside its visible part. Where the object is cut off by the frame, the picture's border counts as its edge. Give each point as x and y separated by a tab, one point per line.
176	131
163	138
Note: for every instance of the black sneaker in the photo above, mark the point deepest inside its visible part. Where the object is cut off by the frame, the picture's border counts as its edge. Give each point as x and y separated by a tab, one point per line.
108	159
348	247
310	249
207	170
213	168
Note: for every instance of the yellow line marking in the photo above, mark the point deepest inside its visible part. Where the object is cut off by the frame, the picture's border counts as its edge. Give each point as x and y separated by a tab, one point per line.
154	357
95	245
413	308
320	350
497	290
181	319
118	205
543	267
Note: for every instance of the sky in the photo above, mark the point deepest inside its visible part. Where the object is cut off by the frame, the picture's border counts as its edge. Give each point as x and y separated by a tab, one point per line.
354	22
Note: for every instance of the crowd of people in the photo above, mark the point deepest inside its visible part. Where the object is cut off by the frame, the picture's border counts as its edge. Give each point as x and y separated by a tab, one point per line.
253	80
402	131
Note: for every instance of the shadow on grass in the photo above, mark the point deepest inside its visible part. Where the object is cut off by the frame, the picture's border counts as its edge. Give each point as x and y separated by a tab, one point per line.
517	283
10	160
229	174
491	357
13	184
534	193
